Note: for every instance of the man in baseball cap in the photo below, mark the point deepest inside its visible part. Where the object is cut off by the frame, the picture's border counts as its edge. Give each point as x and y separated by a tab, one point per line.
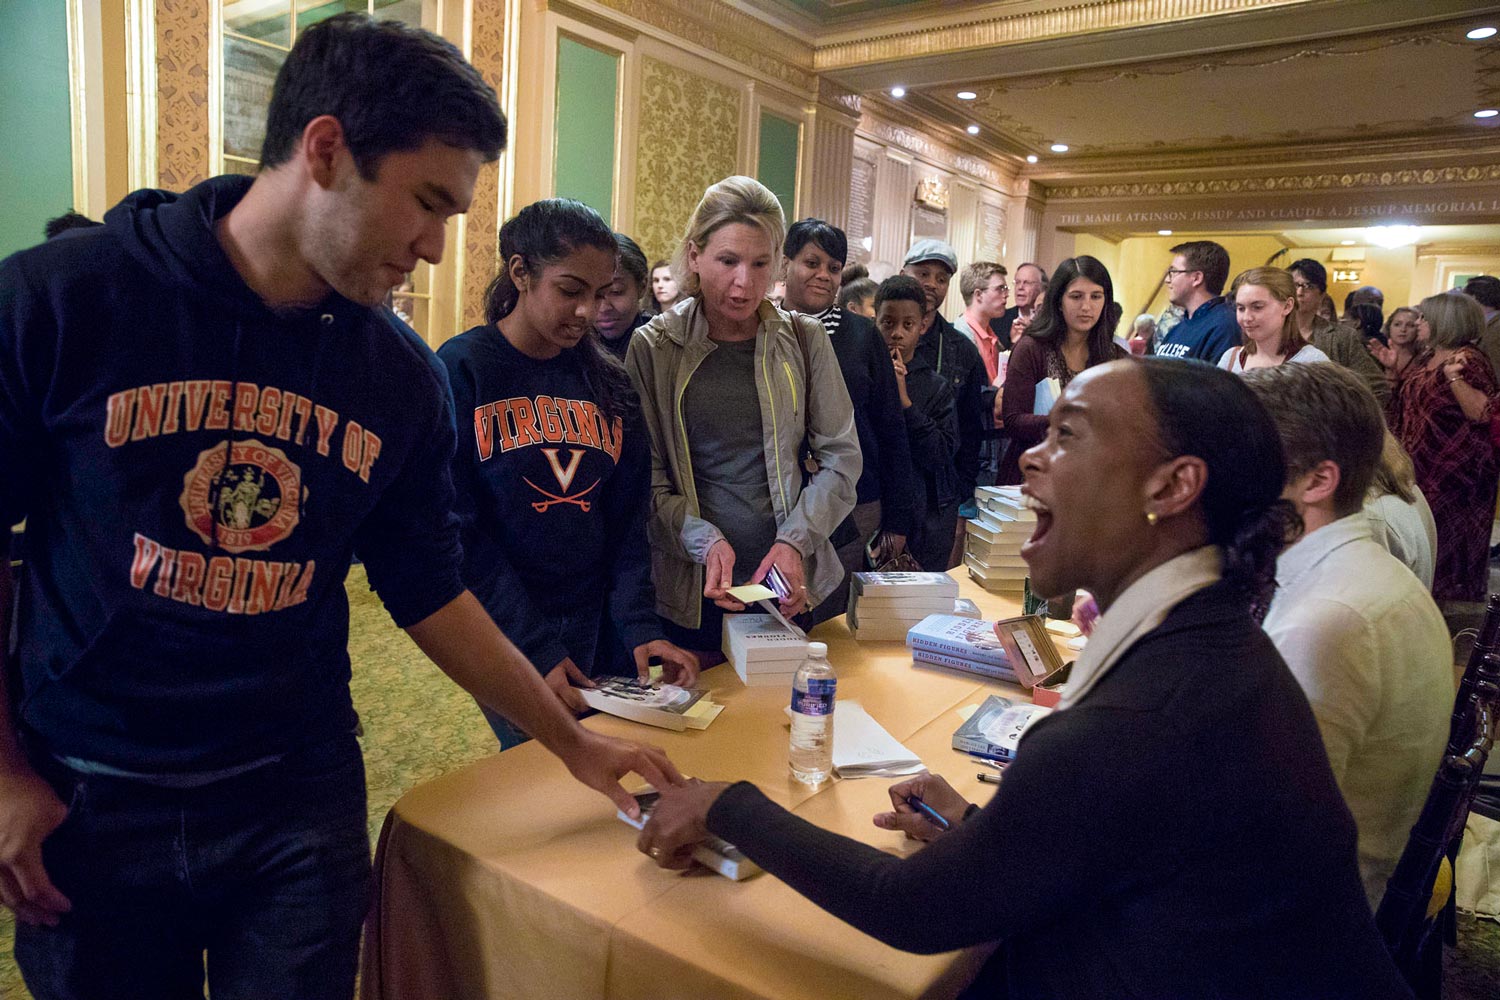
953	356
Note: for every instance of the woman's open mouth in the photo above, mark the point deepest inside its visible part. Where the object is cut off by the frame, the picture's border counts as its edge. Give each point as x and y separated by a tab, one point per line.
1043	523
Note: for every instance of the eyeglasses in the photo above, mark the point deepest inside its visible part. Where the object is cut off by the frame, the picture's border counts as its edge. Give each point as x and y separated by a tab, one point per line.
1303	286
1178	270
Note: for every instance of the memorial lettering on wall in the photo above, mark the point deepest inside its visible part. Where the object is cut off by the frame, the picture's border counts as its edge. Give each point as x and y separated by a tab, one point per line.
861	229
991	231
928	223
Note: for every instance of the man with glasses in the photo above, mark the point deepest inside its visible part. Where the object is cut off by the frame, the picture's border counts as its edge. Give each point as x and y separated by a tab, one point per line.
985	291
1343	345
1011	325
1195	284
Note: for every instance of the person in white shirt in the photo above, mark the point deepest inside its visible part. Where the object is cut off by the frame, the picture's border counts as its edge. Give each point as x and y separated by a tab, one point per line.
1265	305
1359	630
1400	518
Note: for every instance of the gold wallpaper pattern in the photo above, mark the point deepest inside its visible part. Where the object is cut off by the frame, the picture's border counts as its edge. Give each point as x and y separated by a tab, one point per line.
182	52
689	139
482	229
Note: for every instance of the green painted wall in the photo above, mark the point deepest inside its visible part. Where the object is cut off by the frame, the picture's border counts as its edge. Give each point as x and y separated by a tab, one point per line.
584	164
36	169
778	161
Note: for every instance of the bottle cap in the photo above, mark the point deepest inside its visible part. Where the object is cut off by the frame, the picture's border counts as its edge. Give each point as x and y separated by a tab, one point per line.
817	649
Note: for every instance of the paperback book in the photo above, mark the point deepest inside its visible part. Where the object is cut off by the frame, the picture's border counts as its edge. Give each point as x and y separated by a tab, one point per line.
962	638
714	853
903	585
926	657
996	728
664	705
762	650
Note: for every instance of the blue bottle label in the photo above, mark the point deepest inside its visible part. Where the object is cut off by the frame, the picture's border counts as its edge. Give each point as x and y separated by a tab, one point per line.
819	697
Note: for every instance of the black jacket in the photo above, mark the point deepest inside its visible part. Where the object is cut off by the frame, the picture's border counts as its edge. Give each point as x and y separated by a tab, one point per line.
956	358
932	433
1177	834
887	472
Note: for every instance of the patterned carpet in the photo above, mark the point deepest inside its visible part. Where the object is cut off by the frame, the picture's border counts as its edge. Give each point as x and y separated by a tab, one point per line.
419	725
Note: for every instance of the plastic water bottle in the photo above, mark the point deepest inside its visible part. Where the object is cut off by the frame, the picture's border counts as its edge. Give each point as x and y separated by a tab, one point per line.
813	690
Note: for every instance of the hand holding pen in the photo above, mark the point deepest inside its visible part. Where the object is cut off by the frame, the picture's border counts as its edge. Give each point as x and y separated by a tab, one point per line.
924	807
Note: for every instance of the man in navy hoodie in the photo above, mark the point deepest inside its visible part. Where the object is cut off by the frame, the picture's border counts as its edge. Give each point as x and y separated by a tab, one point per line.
205	413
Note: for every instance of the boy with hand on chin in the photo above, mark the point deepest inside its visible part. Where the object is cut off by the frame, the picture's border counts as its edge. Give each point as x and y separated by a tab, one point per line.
931	421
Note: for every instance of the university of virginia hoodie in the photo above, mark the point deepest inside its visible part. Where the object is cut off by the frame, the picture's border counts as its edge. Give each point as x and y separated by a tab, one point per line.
196	471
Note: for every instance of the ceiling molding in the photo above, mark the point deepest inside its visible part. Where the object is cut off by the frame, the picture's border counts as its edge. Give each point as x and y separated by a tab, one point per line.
959	33
1458	249
1285	183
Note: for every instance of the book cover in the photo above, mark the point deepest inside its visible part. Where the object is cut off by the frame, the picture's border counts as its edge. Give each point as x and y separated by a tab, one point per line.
1004	501
966	638
903	584
997	586
714	853
756	638
995	560
928	657
1007	544
664	705
996	728
977	568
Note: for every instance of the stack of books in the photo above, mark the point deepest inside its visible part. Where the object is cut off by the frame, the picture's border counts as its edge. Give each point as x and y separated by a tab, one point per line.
961	644
883	606
992	550
764	652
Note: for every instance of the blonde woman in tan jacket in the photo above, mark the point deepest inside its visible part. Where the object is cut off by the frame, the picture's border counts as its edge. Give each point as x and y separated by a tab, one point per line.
740	400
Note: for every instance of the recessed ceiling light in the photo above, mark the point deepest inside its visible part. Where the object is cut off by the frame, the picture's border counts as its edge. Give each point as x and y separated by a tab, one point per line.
1347	243
1480	33
1031	158
966	95
1486	113
1164	232
973	130
898	91
1059	147
1391	237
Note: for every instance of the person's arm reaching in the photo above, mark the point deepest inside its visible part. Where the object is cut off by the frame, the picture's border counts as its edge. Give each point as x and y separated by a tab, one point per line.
462	640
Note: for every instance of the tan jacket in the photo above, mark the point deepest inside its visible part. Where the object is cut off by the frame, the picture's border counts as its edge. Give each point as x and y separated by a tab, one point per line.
1346	347
795	405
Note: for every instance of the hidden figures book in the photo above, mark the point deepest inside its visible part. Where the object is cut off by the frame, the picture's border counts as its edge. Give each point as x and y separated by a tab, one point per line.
664	705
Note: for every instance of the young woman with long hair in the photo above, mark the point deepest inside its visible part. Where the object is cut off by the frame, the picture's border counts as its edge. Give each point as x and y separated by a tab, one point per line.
552	468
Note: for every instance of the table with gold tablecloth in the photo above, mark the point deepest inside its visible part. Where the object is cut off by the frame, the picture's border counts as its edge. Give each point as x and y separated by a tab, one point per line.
509	879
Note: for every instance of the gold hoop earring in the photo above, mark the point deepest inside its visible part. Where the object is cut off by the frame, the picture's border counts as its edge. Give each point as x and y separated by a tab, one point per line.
1151	518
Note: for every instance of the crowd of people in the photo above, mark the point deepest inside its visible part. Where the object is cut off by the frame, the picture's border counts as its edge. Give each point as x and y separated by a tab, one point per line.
206	413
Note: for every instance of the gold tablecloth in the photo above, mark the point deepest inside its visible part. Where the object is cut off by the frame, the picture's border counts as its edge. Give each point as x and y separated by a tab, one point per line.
509	879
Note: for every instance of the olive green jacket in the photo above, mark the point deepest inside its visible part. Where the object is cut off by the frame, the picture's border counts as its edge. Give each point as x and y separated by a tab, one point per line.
796	405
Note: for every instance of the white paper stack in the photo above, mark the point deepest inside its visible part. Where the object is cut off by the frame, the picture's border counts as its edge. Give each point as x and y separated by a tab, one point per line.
863	749
764	652
992	549
883	606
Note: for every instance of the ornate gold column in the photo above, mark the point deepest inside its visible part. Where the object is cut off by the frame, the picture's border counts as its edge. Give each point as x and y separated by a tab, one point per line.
183	48
482	224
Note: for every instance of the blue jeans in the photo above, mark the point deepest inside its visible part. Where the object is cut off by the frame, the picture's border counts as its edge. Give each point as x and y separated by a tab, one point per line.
268	873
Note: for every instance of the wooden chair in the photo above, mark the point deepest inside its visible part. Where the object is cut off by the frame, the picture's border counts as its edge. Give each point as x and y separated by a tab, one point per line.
1406	917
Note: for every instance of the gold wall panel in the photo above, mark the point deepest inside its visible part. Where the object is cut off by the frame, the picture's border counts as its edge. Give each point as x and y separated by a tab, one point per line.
183	47
482	229
689	138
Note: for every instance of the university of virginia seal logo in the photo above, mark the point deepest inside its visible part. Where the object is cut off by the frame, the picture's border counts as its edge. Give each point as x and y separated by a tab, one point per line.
247	507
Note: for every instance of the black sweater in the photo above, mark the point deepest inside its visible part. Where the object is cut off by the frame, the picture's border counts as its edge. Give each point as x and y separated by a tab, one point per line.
552	500
887	473
1177	834
956	358
932	433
